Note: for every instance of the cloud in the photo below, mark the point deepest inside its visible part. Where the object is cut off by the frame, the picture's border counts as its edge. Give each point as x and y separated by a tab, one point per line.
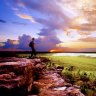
77	44
45	43
2	21
47	40
10	49
81	13
20	44
25	16
24	42
49	12
66	11
88	39
1	44
85	32
88	50
10	44
57	15
49	43
65	49
51	9
15	9
19	23
14	22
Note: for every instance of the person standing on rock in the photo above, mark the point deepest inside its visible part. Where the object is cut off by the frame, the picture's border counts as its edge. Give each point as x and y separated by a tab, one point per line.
32	45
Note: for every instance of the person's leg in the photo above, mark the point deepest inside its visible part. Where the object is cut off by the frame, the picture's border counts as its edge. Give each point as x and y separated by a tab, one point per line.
31	53
34	52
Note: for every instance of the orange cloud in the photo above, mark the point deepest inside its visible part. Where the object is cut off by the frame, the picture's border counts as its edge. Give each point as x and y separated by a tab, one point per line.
64	49
77	44
57	50
85	20
79	20
2	44
25	16
14	42
88	39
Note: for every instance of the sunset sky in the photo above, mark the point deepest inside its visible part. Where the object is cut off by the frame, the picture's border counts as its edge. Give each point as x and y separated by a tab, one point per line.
57	25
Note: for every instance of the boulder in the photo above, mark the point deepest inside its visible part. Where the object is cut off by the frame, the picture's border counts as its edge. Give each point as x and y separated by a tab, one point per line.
52	84
16	76
30	77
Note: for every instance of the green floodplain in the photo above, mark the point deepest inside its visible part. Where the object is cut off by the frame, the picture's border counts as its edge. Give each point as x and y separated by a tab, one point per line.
81	63
78	70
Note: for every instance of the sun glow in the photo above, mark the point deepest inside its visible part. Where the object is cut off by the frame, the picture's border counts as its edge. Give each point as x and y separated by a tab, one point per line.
77	44
52	50
79	20
56	50
14	42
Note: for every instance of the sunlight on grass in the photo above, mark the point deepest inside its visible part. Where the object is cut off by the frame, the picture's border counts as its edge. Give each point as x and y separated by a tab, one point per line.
80	63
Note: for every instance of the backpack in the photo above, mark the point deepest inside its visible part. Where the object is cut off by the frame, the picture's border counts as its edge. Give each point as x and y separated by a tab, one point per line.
30	44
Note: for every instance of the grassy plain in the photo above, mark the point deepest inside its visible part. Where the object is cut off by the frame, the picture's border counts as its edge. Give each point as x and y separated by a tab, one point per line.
80	63
83	73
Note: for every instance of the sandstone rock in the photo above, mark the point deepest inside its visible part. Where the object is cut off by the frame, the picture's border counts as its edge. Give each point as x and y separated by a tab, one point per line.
19	76
52	84
15	74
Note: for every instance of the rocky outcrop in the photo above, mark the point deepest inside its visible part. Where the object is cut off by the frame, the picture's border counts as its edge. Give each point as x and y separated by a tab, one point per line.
15	76
51	84
21	76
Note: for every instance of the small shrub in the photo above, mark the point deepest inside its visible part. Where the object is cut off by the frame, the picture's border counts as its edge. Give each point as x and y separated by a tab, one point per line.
69	77
84	77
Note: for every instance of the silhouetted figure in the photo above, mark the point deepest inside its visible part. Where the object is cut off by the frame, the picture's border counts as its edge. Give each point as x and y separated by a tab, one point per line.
32	45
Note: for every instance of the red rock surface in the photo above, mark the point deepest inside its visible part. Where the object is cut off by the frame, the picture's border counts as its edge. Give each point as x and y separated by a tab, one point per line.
16	74
51	84
20	76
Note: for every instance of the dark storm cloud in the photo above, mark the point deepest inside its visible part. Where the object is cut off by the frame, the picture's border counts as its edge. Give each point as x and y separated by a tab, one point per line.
2	21
10	44
20	44
24	42
46	32
19	23
48	41
52	23
14	22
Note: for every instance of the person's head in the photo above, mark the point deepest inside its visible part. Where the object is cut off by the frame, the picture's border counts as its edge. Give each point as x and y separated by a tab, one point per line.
32	39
